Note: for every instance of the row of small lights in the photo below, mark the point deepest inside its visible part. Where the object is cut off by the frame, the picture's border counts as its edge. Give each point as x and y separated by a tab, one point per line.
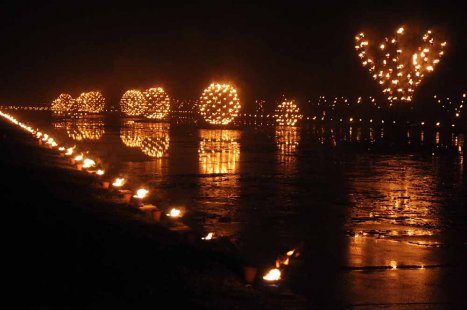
84	162
81	161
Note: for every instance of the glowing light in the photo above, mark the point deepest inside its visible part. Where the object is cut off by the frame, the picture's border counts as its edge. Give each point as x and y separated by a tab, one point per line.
157	103
119	182
91	102
133	103
100	172
288	113
272	275
64	104
174	213
209	236
79	157
88	163
219	104
398	71
141	193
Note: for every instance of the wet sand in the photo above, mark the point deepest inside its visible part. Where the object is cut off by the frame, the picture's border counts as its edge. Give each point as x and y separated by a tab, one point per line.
69	245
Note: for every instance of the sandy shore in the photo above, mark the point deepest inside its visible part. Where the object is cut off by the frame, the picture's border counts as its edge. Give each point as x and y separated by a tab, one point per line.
71	245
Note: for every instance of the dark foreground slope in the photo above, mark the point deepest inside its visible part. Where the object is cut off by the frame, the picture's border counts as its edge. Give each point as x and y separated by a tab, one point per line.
67	245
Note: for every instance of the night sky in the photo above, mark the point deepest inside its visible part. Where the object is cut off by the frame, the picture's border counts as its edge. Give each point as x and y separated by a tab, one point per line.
302	49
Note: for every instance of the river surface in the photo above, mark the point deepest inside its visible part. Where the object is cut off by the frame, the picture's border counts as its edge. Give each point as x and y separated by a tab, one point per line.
378	214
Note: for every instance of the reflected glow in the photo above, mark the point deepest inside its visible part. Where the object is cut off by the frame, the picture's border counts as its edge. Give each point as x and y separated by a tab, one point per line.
151	138
219	151
83	128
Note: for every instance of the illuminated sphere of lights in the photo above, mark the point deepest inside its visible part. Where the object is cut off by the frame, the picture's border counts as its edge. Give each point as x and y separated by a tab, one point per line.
219	104
288	113
133	103
63	104
158	103
91	102
400	63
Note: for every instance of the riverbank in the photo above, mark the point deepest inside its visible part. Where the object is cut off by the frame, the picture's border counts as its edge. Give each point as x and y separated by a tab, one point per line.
70	246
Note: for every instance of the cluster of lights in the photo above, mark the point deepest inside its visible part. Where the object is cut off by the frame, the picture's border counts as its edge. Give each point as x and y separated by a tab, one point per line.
397	70
288	113
158	103
84	162
91	102
64	104
153	103
133	103
87	102
219	104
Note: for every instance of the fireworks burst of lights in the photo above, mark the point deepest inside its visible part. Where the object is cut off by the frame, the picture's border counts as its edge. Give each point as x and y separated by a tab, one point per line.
397	66
219	104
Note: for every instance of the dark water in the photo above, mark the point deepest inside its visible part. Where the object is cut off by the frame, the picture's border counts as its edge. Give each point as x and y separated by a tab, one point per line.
358	201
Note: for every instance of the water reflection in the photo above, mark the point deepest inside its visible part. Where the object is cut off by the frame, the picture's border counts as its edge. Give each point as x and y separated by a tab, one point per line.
219	151
151	138
287	140
82	129
392	195
219	184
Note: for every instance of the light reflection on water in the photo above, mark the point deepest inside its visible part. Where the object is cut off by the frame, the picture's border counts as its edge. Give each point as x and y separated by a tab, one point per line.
82	129
357	196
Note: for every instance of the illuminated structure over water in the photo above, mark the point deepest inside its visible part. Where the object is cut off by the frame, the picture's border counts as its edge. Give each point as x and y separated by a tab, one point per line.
398	64
219	104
